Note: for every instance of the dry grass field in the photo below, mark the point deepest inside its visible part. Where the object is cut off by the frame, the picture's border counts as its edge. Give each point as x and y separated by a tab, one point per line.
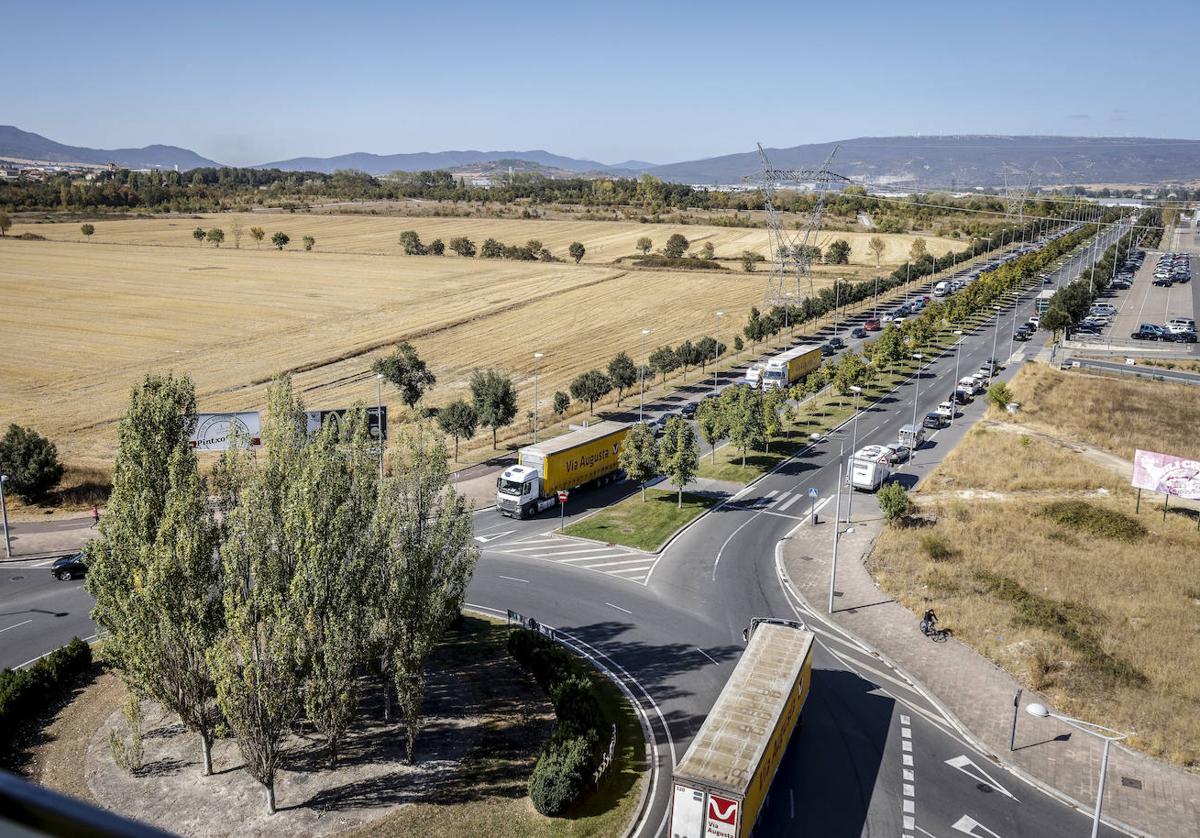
84	320
605	240
1036	557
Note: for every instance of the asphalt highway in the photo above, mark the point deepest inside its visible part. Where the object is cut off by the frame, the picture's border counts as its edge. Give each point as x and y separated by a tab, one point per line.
669	629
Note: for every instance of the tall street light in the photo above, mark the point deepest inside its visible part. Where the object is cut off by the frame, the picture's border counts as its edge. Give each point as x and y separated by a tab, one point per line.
995	332
4	513
537	357
957	353
642	371
1100	732
919	357
717	349
857	391
379	417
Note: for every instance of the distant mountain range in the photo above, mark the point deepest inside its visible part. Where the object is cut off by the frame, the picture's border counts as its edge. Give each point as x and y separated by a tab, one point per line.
962	161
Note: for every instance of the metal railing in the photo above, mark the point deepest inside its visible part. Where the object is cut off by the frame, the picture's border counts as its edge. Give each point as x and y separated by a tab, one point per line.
30	809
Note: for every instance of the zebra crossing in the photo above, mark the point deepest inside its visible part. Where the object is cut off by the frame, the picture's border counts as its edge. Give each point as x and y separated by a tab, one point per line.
601	558
788	504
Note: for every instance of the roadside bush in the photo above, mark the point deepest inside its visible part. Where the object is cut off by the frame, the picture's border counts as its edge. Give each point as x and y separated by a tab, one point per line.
30	461
1105	523
1000	395
894	501
25	693
571	755
937	549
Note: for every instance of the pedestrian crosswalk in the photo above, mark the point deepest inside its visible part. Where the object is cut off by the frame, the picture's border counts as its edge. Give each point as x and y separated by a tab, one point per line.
616	561
776	502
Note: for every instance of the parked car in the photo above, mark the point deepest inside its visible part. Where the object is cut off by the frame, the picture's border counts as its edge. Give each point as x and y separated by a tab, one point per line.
689	410
837	343
872	325
1148	331
858	332
933	420
898	452
69	567
1181	337
1163	281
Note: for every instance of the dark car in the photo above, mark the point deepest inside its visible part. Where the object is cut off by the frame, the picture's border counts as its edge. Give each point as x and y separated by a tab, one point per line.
1148	331
827	350
689	410
1164	282
858	332
69	567
932	420
837	343
1182	337
960	396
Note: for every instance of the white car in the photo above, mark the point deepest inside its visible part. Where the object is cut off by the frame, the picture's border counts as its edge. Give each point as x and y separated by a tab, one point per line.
946	409
1035	319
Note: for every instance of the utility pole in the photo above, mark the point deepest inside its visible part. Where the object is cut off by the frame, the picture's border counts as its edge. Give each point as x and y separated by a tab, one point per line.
642	374
836	524
4	513
917	397
717	350
857	391
537	358
379	417
957	353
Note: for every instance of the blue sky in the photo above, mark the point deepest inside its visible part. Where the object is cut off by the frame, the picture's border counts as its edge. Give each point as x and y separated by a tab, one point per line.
659	81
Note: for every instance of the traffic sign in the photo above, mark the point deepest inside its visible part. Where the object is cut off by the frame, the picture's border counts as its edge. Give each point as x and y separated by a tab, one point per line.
812	491
562	495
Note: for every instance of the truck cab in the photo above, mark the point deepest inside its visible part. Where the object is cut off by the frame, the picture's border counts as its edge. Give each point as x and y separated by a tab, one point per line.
519	492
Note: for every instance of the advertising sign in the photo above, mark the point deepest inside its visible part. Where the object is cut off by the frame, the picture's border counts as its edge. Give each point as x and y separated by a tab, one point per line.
1166	474
213	430
687	813
722	817
316	418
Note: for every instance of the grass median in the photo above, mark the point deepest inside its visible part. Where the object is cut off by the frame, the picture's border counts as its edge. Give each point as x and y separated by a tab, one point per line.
642	525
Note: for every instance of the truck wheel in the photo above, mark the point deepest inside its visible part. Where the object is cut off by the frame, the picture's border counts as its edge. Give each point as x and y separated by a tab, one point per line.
529	511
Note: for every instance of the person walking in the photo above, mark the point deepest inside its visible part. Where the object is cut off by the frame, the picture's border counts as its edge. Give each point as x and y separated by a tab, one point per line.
95	515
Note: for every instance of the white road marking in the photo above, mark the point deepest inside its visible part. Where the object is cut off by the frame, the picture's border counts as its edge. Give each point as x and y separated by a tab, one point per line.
589	558
630	569
772	493
790	501
782	497
978	774
619	608
908	790
861	667
569	552
783	515
906	745
484	539
967	825
17	625
642	561
707	655
514	579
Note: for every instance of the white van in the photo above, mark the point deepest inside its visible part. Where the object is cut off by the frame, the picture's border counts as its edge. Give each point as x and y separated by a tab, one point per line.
869	468
941	289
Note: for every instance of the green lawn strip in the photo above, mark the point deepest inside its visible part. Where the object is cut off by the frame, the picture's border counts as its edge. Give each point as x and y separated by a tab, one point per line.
645	526
490	798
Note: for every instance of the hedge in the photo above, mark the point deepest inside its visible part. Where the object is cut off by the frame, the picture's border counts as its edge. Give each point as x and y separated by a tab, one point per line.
25	693
569	758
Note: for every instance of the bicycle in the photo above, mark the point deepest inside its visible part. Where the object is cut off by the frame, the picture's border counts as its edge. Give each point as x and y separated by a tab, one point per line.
937	635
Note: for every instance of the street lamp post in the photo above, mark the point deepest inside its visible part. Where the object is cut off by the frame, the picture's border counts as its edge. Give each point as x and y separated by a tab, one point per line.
995	332
1107	734
836	525
4	513
537	357
717	349
379	417
957	353
642	374
857	391
919	357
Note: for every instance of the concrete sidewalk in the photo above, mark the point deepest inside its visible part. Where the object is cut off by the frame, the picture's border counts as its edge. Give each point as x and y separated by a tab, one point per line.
41	539
1148	796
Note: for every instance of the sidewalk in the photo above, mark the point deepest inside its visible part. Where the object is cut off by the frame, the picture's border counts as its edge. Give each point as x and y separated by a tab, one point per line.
1147	795
40	539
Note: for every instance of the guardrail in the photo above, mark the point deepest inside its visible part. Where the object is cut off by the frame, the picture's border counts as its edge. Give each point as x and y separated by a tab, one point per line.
607	759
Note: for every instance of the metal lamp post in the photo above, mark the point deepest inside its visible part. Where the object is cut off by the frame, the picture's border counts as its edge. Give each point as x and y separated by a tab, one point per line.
919	357
957	354
537	357
995	332
857	391
642	371
837	517
4	513
1107	734
717	349
379	417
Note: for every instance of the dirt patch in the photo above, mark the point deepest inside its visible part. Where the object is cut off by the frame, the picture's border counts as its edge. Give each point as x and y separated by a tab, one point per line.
56	761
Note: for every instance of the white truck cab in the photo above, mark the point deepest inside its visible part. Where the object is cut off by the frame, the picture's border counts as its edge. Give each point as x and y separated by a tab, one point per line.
519	488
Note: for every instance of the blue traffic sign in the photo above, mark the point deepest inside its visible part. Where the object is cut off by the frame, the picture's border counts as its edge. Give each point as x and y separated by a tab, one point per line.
812	491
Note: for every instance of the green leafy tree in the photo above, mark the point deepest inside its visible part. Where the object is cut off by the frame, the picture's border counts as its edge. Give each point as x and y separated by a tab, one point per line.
678	457
999	395
773	404
876	246
491	249
590	387
742	408
713	426
280	240
462	246
31	463
577	250
838	252
738	345
919	250
407	373
258	234
664	361
309	242
707	251
851	371
676	246
623	373
1056	320
638	456
437	247
428	558
644	244
894	502
495	399
5	223
216	235
459	420
88	230
198	234
756	327
748	260
709	350
411	242
689	355
561	402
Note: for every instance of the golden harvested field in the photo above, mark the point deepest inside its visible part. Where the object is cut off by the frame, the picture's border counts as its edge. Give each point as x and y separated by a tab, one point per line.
605	240
1038	559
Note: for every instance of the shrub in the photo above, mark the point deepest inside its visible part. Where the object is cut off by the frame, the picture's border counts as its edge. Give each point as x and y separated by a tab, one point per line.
27	692
999	395
561	775
1104	523
937	549
894	501
30	461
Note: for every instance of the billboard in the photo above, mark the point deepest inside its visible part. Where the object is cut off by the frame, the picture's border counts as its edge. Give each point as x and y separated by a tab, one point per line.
1166	474
213	430
376	419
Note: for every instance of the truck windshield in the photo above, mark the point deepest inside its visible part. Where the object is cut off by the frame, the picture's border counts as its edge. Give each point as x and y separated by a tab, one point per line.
773	375
510	487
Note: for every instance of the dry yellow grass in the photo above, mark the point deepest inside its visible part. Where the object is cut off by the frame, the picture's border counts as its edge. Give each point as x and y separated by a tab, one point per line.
1108	627
604	240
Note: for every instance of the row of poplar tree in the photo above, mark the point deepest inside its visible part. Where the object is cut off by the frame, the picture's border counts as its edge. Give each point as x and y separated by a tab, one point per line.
280	588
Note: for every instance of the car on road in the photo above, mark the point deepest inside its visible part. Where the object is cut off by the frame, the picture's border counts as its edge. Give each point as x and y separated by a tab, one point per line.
898	452
946	409
69	567
933	420
858	332
837	343
1148	331
1163	281
871	325
1180	324
827	350
689	410
1181	337
657	425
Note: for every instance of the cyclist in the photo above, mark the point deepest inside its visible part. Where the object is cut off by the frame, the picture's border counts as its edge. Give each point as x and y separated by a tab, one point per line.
928	622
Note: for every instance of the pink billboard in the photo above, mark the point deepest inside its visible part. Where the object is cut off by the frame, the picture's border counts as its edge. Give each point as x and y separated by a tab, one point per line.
1166	474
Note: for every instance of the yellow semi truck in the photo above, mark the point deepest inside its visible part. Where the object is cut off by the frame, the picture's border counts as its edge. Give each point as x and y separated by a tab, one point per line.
719	786
786	368
583	457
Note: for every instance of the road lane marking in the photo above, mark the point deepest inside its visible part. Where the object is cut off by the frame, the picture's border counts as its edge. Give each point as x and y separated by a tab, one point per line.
707	655
790	501
782	497
631	569
588	558
619	608
784	515
484	539
17	625
554	552
641	561
514	579
978	774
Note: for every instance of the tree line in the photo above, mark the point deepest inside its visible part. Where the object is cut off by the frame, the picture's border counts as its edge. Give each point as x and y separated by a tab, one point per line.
531	251
281	588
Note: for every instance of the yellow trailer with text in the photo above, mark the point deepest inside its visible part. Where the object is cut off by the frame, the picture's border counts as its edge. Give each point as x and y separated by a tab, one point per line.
582	457
720	785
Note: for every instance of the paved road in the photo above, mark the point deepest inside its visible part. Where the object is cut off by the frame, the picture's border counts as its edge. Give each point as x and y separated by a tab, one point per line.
671	631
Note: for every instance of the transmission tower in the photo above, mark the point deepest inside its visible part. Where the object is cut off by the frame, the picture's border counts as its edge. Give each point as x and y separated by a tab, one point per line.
1014	197
791	252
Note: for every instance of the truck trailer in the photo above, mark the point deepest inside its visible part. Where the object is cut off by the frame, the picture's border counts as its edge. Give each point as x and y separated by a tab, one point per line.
786	368
869	468
721	784
587	456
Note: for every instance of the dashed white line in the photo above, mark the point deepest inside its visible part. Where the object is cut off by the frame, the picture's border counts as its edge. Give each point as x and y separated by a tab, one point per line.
619	608
17	625
514	579
707	655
